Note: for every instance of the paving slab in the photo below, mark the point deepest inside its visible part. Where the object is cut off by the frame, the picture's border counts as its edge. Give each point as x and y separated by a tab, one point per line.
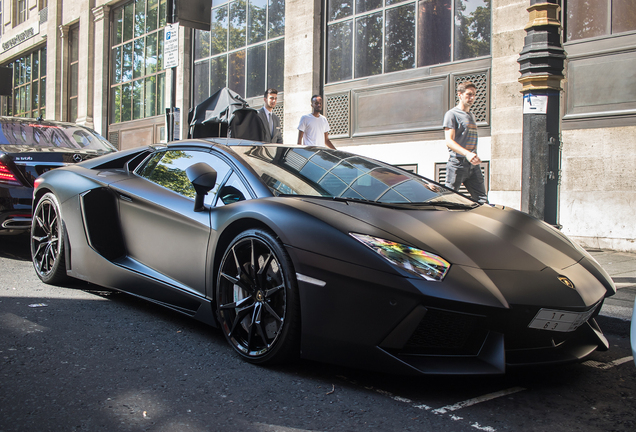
621	266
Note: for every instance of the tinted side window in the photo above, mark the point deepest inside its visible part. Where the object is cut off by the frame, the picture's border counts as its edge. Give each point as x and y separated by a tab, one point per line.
168	168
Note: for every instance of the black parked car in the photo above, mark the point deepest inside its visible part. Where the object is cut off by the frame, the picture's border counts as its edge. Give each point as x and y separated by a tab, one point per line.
323	254
30	147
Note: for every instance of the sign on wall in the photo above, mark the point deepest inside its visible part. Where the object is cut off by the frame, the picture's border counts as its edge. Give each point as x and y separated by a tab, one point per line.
24	35
171	46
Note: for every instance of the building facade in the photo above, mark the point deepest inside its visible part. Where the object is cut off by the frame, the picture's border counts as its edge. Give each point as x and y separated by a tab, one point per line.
387	70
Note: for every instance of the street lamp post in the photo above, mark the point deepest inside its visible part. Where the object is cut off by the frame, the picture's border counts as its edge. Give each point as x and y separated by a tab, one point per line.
541	66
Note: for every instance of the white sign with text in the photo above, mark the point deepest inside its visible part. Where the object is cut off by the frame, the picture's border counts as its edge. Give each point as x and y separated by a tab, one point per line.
171	46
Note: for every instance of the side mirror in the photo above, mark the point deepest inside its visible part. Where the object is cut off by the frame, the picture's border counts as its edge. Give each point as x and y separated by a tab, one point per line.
203	178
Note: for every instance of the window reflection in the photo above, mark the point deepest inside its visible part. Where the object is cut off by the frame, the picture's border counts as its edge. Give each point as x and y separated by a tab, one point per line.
586	19
368	59
257	21
238	11
137	54
445	31
255	71
332	173
434	32
244	50
168	169
399	51
340	50
339	9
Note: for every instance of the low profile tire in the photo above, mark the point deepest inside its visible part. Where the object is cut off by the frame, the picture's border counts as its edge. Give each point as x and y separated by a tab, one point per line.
257	299
47	241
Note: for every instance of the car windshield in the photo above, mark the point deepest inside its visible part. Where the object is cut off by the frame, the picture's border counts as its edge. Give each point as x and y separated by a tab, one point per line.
44	134
323	172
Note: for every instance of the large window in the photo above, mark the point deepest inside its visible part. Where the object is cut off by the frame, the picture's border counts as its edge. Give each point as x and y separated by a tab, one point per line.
138	77
29	86
73	72
370	37
592	18
21	11
244	50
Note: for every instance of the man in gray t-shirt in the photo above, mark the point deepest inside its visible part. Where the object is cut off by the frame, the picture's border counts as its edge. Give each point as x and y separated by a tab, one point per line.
460	132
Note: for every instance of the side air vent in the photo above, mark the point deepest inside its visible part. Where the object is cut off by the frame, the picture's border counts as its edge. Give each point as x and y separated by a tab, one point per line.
99	207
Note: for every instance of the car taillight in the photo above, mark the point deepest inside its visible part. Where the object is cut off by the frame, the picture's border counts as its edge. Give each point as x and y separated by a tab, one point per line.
7	176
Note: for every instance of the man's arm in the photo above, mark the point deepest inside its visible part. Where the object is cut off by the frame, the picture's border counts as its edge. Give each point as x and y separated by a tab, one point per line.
449	134
300	137
328	141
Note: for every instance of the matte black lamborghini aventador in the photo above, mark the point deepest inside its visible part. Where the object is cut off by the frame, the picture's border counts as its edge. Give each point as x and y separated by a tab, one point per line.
323	254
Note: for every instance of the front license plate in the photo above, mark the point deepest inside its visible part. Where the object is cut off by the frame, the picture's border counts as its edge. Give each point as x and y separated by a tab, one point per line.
559	321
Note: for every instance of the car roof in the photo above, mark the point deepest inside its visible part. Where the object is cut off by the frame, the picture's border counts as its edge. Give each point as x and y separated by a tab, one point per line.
210	142
39	121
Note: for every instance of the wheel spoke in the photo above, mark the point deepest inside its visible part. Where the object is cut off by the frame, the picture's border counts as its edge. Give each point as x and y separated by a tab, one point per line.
240	315
250	328
259	326
270	292
273	313
261	274
235	305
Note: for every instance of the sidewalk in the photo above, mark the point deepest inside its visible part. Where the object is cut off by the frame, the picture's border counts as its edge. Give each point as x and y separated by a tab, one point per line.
621	266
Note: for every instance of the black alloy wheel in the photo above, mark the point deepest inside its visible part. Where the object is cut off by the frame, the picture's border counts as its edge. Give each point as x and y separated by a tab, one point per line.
47	241
257	299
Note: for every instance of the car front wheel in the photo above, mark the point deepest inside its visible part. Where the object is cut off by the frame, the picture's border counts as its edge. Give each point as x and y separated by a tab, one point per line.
257	299
47	241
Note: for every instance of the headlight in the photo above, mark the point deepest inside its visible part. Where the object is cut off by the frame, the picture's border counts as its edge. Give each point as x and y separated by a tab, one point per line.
416	261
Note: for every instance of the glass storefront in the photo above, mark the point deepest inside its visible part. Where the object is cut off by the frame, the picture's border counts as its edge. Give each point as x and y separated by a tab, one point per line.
29	86
244	50
137	76
370	37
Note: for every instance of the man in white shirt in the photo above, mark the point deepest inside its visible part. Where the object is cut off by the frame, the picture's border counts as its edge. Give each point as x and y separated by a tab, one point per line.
313	128
271	122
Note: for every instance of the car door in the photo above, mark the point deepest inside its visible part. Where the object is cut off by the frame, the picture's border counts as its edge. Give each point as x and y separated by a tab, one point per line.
160	228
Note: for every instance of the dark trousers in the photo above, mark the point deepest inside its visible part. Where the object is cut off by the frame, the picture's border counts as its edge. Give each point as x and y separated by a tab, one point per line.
459	170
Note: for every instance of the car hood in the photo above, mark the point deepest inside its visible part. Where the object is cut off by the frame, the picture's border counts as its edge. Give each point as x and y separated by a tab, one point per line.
485	237
504	255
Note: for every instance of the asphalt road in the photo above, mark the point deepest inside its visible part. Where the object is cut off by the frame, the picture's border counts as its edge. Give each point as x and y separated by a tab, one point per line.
84	358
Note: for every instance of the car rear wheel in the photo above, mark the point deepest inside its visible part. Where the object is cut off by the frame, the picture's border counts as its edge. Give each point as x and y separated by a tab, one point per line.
47	241
257	299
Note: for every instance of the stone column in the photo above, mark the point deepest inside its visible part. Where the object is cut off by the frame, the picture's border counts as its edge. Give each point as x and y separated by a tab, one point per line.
101	84
506	118
53	55
303	33
85	86
63	73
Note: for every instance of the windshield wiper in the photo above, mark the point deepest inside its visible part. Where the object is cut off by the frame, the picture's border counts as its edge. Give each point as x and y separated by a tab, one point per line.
446	204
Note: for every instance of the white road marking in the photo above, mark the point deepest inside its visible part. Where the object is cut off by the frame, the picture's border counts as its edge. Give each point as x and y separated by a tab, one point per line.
483	428
609	365
480	399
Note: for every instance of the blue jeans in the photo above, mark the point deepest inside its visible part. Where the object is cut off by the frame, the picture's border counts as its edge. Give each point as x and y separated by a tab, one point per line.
459	170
